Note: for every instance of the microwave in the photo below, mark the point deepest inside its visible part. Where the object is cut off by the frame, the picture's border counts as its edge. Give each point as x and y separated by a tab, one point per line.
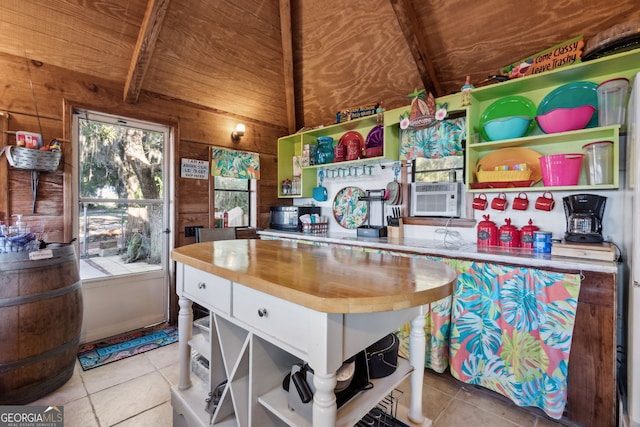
436	198
286	218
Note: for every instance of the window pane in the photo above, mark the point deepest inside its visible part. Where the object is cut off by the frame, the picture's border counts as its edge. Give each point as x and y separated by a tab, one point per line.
130	231
223	183
119	162
437	170
232	196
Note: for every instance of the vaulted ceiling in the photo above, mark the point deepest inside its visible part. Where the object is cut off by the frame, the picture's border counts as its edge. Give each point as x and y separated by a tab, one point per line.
294	63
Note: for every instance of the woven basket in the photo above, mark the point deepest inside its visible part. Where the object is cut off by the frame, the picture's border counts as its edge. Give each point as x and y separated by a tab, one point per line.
502	176
32	159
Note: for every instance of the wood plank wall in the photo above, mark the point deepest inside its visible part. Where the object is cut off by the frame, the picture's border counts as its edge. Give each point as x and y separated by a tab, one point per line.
57	90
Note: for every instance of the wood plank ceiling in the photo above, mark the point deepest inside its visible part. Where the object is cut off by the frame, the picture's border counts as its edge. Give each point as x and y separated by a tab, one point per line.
293	63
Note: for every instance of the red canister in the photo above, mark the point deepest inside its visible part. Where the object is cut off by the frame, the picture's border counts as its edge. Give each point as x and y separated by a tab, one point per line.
526	235
487	233
509	235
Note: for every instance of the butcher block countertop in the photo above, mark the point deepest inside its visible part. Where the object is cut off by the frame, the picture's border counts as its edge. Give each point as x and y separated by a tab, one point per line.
329	280
509	256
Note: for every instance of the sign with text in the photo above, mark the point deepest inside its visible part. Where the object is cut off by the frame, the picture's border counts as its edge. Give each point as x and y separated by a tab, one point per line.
196	169
566	53
31	416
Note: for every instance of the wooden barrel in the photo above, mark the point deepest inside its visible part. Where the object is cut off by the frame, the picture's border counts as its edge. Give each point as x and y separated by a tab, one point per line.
40	322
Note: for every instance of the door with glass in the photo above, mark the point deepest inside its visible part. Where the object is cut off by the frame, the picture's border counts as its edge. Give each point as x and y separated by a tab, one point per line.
121	222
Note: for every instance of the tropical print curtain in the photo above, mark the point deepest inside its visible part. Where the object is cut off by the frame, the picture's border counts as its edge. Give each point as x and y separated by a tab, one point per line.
234	164
440	140
511	331
508	329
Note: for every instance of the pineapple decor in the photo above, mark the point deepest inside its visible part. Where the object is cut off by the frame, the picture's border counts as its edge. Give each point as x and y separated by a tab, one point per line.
423	113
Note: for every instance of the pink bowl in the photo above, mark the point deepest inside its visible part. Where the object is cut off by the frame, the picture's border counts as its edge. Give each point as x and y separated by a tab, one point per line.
565	119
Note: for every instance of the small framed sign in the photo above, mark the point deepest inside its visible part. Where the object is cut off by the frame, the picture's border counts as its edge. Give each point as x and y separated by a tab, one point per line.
195	169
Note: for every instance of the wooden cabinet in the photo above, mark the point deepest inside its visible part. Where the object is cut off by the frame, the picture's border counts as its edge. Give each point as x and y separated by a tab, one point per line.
292	145
535	88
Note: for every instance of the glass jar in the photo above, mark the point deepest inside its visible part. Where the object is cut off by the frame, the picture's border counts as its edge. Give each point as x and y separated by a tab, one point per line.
285	187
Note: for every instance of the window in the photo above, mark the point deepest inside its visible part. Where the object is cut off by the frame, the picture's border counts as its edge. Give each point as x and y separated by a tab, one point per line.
235	196
438	170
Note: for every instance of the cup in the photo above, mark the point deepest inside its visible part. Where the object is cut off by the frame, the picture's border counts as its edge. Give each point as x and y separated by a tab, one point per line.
545	202
499	202
612	100
521	202
599	162
320	194
480	202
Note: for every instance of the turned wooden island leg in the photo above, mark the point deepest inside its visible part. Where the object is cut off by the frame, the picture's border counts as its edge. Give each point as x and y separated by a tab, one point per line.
185	323
325	409
417	346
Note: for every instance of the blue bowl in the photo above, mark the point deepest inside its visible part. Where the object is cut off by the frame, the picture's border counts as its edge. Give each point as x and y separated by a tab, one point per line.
507	127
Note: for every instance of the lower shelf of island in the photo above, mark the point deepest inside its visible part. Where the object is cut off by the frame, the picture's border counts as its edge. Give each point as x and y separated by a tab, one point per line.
350	413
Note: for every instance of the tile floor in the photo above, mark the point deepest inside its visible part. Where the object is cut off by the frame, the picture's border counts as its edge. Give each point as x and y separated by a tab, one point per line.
134	392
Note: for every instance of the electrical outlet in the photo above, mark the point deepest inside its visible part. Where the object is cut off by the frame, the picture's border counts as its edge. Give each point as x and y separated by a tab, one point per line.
190	231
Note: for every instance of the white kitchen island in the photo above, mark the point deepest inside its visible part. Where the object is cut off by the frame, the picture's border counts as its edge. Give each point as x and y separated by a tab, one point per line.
274	304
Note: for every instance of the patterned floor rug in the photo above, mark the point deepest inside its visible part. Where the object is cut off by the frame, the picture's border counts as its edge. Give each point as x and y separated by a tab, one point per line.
109	350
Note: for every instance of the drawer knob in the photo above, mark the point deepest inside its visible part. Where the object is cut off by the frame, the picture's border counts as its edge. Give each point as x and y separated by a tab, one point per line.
262	312
202	285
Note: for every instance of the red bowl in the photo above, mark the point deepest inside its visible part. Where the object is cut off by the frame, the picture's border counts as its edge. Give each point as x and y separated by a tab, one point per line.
565	119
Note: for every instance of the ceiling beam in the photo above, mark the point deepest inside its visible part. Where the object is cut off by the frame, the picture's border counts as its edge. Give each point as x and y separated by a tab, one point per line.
408	21
287	59
147	37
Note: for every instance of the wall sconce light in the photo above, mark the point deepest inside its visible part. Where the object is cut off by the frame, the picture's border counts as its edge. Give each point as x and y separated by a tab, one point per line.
238	133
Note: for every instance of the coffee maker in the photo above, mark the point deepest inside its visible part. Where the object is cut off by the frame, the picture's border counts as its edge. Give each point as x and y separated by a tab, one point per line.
584	214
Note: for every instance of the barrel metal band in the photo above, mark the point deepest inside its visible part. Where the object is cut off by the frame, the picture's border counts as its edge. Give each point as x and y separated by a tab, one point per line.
40	357
27	264
26	299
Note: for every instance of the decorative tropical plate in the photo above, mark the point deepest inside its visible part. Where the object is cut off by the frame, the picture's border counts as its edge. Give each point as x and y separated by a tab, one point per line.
348	210
515	105
571	95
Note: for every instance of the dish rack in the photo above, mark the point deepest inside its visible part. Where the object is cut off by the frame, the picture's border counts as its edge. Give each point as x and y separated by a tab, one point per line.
315	228
369	230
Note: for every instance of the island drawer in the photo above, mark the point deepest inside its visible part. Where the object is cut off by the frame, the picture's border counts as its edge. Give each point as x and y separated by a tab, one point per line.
277	318
208	290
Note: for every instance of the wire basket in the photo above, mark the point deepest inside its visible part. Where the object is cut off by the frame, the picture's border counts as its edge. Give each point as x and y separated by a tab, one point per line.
32	159
502	176
385	413
315	228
